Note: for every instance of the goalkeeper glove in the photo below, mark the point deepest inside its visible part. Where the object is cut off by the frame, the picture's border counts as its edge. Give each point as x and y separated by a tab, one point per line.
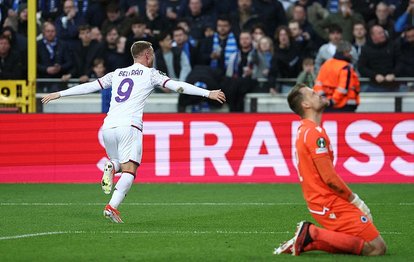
361	206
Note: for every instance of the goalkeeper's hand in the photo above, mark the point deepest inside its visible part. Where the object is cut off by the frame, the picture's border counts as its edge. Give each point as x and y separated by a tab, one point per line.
361	206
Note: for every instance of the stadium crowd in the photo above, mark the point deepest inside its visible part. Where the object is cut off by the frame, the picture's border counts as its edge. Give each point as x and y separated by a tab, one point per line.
240	46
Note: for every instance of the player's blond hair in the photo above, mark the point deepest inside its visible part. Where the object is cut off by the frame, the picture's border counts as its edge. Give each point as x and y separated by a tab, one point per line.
139	47
295	98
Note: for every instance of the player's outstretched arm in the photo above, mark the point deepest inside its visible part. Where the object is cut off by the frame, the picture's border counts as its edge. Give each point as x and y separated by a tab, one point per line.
189	89
217	95
81	89
49	97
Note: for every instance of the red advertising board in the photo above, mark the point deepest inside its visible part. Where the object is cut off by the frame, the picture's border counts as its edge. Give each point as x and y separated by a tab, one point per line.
205	148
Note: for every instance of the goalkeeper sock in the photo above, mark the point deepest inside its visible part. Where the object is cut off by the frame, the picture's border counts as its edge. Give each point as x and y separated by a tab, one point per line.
322	246
121	189
335	241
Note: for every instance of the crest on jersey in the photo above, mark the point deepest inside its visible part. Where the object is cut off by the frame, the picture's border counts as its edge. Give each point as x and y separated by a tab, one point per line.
321	142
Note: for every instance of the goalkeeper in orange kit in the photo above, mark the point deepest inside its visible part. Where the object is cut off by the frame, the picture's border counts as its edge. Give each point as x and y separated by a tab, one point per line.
347	222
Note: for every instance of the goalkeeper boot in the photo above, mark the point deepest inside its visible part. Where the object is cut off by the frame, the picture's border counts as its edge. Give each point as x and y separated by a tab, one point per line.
301	238
112	214
285	248
108	177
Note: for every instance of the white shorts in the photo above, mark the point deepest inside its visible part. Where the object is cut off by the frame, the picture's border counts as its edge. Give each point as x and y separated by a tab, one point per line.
123	144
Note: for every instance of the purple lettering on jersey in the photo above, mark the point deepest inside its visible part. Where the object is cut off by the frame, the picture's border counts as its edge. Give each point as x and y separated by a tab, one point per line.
124	95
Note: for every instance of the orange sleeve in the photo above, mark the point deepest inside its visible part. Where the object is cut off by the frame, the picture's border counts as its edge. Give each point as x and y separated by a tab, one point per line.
328	174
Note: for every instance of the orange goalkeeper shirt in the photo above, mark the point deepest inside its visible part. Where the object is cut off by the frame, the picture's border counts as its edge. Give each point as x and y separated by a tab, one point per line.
312	142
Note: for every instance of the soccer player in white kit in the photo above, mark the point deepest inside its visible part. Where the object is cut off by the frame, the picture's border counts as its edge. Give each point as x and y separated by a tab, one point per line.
122	128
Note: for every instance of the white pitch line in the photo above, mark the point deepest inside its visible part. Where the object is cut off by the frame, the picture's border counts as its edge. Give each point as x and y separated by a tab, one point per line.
195	232
181	204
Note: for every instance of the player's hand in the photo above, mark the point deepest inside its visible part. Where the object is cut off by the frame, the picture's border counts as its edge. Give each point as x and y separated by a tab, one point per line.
361	206
49	97
217	95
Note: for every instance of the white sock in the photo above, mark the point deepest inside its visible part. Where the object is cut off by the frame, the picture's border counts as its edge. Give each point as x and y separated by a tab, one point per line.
121	189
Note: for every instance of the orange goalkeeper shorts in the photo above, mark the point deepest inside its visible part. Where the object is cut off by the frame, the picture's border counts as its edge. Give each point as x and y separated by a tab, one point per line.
344	217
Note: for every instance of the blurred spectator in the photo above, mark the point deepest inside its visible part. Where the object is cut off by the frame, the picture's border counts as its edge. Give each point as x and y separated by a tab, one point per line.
360	36
49	9
328	50
312	12
257	31
114	17
405	19
182	42
18	21
307	76
115	56
171	60
239	74
271	14
139	33
53	59
262	59
338	81
86	51
302	39
68	23
224	7
98	69
18	41
378	61
287	60
10	61
184	24
244	17
383	18
299	15
155	22
197	19
406	46
346	18
93	11
96	34
216	50
366	8
132	8
208	7
170	9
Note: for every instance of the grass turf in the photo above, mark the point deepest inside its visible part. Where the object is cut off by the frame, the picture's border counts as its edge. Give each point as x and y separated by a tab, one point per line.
181	222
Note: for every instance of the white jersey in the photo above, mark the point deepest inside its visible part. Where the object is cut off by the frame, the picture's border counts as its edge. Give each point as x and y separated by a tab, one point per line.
130	88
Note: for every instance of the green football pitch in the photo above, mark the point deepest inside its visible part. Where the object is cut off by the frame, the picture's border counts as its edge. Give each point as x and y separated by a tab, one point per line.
182	222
